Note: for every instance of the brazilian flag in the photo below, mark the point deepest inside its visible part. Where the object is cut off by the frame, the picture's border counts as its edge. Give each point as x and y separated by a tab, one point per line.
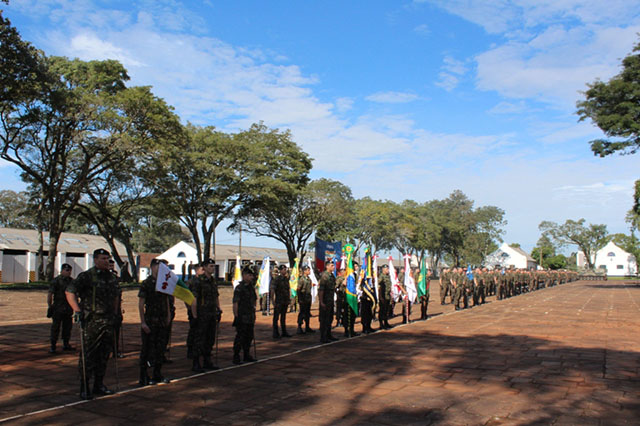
352	292
423	290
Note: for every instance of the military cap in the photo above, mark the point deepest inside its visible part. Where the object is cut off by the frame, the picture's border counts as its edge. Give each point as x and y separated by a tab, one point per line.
248	270
305	267
155	262
98	252
66	267
208	261
282	267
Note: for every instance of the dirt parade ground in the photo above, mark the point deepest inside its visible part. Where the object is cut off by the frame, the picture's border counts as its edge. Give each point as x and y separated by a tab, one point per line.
568	354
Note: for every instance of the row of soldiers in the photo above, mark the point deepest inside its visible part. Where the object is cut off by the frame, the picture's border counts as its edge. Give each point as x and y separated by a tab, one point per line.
462	285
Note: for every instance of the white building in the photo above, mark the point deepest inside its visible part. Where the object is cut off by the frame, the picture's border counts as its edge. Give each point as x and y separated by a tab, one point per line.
507	256
183	257
611	258
19	249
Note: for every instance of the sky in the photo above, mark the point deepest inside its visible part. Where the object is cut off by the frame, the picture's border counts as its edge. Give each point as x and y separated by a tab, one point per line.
405	99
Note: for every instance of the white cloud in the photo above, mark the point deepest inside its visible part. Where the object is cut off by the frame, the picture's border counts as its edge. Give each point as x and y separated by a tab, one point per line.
509	108
422	29
343	104
453	69
392	97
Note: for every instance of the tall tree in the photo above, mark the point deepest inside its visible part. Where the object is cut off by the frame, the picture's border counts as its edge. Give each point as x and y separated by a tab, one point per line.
589	239
211	174
294	218
614	106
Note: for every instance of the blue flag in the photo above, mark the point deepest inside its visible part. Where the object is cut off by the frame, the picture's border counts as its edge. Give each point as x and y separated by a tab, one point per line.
327	250
469	273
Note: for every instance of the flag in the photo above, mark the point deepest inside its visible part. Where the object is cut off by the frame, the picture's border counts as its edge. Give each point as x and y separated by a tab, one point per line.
423	290
169	283
314	282
396	292
264	277
352	295
409	282
375	275
237	275
367	282
327	250
469	273
293	278
336	262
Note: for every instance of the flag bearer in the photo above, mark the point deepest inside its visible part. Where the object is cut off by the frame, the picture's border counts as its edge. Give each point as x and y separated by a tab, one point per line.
155	316
206	314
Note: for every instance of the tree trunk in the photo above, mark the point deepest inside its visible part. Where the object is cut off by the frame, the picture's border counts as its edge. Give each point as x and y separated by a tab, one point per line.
54	238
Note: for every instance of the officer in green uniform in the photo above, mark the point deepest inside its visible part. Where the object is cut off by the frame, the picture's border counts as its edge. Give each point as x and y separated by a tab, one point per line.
280	290
384	291
155	315
206	313
244	315
445	286
304	299
59	310
326	292
93	296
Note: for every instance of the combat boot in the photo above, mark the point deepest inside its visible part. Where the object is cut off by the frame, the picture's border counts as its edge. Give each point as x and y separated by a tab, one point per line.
309	330
300	331
248	357
284	332
207	364
100	389
276	335
197	368
68	347
144	378
52	349
236	358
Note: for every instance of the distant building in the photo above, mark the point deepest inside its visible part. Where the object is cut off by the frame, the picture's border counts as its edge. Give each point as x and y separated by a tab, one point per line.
612	259
19	250
507	256
183	258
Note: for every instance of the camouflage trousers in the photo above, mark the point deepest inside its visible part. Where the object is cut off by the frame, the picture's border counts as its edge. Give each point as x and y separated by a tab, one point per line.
153	344
59	320
98	338
244	337
204	336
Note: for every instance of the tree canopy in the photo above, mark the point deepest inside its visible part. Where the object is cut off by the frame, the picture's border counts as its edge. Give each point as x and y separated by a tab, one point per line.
614	106
589	238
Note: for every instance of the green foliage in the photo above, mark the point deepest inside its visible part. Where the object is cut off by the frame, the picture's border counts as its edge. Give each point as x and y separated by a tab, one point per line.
614	107
15	211
589	239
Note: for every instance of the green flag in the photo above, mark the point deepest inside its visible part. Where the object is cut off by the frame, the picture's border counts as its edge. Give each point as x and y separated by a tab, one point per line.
423	290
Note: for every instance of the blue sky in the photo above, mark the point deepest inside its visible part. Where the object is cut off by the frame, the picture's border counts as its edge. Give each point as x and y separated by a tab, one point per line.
397	99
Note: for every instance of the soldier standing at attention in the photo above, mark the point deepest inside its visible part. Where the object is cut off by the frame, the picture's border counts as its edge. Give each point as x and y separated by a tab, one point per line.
244	315
155	315
304	299
206	313
59	310
326	291
384	291
93	296
445	286
281	295
192	321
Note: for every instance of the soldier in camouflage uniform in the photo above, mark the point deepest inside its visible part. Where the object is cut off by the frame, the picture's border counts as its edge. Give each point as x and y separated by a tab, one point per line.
445	286
192	321
280	290
384	291
155	315
59	310
93	296
326	291
206	313
244	315
304	299
462	289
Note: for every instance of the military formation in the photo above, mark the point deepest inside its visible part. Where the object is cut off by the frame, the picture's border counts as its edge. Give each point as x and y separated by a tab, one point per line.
94	299
473	286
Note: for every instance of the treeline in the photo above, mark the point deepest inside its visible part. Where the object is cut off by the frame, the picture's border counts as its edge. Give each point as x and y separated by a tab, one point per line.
100	156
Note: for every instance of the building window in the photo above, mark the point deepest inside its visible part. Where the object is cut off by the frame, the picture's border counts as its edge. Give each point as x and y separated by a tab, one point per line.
619	267
611	254
181	254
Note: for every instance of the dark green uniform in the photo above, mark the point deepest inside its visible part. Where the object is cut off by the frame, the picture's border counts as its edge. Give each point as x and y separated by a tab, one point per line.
157	316
97	291
282	290
341	291
384	294
245	296
304	299
205	290
60	312
326	286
